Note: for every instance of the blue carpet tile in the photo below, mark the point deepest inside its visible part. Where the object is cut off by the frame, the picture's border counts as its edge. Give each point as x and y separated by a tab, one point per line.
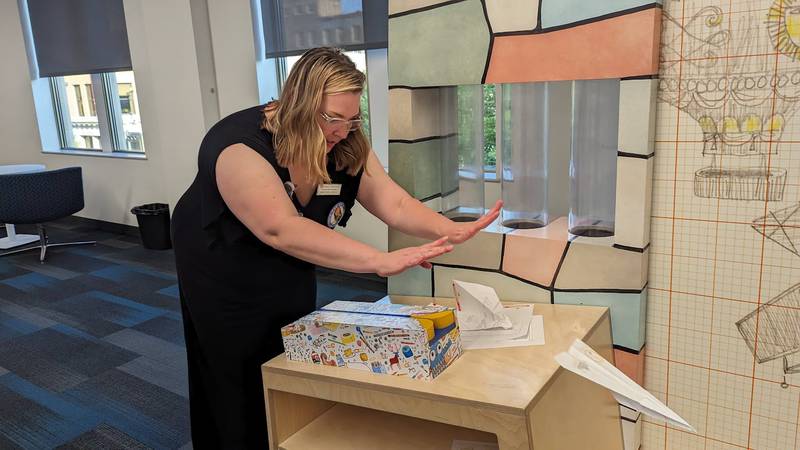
92	353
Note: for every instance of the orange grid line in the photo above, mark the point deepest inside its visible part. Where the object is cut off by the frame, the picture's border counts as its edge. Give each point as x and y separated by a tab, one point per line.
761	271
726	372
674	206
664	425
710	58
700	258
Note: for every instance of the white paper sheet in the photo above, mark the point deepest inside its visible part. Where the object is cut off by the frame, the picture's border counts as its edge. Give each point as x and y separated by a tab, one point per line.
534	336
584	361
520	323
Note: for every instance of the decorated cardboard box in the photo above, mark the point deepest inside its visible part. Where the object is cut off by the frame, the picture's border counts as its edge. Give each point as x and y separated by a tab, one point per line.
414	341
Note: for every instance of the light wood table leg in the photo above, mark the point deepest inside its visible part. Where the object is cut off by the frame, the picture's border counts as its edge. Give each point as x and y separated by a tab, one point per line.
514	436
287	413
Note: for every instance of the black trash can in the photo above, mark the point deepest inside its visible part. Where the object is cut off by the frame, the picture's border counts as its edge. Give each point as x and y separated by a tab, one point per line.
153	221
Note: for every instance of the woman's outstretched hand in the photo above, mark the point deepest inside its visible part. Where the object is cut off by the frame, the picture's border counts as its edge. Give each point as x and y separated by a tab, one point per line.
392	263
459	232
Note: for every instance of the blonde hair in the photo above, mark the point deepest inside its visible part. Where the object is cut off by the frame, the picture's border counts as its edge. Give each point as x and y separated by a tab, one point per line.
292	120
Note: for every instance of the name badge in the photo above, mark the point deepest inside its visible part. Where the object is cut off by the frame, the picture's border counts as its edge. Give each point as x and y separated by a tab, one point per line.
329	189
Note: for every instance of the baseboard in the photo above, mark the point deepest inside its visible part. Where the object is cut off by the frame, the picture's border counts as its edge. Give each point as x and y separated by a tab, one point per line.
111	227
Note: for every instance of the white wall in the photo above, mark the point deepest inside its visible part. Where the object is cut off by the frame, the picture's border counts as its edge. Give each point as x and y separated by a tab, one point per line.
165	66
194	62
234	54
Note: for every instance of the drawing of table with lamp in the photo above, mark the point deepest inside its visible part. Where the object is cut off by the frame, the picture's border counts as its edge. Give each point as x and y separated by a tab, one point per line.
13	239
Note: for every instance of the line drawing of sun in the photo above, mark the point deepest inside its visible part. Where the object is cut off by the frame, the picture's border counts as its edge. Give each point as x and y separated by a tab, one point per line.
783	22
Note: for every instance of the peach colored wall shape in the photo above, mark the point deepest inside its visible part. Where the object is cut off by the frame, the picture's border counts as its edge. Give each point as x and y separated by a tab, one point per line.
618	47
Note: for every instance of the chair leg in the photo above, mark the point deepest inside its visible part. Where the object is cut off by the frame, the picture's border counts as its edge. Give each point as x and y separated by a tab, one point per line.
42	242
47	244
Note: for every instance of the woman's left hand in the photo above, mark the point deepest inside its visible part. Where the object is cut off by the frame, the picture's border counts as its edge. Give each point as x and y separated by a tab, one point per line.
459	232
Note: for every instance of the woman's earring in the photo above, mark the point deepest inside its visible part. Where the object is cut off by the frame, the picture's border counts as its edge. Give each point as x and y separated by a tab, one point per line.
290	187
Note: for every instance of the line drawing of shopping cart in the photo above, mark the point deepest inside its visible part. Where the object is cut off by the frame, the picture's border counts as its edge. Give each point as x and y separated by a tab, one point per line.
772	330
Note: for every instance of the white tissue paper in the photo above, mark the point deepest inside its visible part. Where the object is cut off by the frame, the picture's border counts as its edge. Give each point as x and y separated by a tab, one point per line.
478	307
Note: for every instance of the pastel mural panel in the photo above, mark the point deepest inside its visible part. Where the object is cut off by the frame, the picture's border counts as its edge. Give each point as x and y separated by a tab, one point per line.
592	266
482	251
627	313
632	215
535	254
415	167
405	6
637	116
623	46
415	281
440	46
630	363
512	15
562	12
414	114
507	288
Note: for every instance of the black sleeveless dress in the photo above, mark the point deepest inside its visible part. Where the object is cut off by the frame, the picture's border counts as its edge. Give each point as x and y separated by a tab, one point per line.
236	292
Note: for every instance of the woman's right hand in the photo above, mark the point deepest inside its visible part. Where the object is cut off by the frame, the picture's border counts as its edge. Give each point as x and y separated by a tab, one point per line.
392	263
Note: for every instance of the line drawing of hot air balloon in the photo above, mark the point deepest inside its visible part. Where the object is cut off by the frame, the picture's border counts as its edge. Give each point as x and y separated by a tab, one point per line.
740	104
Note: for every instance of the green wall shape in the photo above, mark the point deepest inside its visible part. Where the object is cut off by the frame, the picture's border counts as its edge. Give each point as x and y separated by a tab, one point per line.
447	45
416	167
414	281
628	313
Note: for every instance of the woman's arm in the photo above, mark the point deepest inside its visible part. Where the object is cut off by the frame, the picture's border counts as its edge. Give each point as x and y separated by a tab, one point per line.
390	203
255	194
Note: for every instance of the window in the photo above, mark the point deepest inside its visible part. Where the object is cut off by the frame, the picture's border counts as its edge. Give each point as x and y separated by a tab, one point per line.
113	125
125	98
489	129
84	89
79	100
90	95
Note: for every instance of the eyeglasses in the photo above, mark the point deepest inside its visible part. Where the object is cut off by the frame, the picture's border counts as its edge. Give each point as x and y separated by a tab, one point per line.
351	124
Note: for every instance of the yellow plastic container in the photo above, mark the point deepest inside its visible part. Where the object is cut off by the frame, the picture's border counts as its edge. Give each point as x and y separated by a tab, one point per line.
428	325
442	319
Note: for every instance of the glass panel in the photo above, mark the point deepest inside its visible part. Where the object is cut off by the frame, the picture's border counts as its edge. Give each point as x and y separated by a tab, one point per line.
81	130
593	166
490	128
129	109
464	152
525	147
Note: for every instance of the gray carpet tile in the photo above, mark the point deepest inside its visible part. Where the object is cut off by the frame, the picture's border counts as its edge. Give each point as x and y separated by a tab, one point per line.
163	327
104	437
91	343
58	358
150	414
169	374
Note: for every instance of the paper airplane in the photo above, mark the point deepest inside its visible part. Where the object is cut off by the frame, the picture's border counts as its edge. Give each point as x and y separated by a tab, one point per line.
582	360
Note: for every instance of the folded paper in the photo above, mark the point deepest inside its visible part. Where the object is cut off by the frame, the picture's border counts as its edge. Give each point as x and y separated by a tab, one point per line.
582	360
478	307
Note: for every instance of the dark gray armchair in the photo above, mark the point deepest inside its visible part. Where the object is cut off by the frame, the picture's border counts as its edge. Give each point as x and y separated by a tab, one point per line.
39	197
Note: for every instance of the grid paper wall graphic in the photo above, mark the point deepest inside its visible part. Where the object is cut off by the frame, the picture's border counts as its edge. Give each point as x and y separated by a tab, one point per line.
723	318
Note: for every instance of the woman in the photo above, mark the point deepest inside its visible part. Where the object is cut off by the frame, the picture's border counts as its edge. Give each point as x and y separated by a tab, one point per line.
273	181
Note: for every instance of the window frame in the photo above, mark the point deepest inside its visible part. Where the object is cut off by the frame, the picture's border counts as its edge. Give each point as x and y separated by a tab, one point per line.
107	110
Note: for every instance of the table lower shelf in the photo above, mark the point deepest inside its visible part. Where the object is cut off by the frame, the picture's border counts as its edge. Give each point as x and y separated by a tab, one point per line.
347	427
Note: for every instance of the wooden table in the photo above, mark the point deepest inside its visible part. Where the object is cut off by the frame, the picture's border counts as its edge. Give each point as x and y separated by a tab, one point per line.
519	398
